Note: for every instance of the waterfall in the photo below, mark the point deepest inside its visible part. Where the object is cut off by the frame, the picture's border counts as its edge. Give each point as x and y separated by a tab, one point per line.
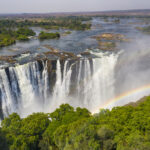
7	101
95	82
22	88
87	82
62	86
97	85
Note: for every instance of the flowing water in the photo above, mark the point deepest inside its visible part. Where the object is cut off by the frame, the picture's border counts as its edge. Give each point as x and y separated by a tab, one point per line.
86	82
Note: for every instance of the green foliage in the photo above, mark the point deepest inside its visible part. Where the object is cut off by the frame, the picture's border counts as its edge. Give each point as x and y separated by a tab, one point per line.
6	40
122	128
25	32
44	35
65	115
19	29
9	36
69	22
3	141
22	38
25	133
12	124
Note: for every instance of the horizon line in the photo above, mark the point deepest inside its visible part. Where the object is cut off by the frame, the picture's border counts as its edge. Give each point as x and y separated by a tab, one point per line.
69	12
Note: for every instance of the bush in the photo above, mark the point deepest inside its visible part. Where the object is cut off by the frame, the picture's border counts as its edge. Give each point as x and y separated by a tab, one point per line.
44	35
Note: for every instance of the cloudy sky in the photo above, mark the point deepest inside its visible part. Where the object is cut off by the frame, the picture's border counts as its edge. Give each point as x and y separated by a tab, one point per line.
43	6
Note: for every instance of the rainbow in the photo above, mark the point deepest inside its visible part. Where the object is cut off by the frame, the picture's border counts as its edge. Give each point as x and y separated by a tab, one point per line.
125	95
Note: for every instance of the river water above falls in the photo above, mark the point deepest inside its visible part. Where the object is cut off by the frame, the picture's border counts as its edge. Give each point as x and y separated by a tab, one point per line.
101	79
77	41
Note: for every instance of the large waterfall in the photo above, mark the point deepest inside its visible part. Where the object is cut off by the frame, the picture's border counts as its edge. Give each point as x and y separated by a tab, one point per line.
41	86
22	87
87	82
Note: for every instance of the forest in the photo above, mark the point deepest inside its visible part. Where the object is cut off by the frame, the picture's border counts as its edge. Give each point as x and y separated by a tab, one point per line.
122	128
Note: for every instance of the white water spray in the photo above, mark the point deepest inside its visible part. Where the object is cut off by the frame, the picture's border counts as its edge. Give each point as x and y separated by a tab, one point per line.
88	82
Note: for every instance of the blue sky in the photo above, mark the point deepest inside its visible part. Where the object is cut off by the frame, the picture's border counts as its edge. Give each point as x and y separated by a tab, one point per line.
43	6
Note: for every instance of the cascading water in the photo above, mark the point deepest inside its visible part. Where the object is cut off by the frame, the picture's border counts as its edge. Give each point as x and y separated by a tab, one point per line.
86	83
99	86
43	86
62	86
22	87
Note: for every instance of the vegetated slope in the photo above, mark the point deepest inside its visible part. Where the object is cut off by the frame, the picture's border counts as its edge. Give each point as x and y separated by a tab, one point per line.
122	128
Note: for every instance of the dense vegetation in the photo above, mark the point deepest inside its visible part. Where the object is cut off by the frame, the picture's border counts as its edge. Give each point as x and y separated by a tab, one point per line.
44	35
9	36
122	128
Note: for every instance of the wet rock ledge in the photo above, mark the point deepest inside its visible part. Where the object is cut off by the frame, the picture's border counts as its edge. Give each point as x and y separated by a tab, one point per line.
52	54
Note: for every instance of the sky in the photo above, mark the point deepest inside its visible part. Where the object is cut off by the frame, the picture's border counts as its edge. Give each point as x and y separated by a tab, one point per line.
46	6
